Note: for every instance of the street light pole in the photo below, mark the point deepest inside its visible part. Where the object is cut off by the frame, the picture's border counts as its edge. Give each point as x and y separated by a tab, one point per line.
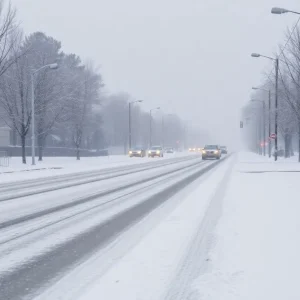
163	131
129	125
279	11
33	72
32	121
269	141
276	106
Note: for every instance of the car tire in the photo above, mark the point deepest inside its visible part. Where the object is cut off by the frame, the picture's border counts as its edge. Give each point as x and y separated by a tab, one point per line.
203	158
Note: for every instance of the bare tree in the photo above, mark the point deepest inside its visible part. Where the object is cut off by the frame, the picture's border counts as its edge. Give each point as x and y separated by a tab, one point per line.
9	35
86	93
14	98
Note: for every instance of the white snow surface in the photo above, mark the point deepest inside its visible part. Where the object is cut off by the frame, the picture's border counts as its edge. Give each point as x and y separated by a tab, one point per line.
52	166
146	269
257	242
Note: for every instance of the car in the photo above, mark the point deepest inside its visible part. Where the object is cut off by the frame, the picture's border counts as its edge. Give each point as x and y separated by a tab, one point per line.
200	150
193	149
224	149
211	151
169	150
156	151
137	152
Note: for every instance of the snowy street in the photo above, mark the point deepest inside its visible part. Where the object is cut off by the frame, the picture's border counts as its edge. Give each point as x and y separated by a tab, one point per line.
49	225
177	228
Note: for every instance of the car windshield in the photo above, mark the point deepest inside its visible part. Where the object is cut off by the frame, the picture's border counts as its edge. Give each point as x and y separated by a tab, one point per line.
156	148
137	148
211	147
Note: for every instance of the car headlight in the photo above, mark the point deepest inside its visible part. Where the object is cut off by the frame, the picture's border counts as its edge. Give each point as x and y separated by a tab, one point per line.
216	152
130	152
203	151
157	152
139	152
149	152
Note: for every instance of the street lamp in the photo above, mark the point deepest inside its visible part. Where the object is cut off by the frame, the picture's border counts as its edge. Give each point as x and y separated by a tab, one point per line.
276	60
269	93
129	120
33	72
264	122
156	108
279	11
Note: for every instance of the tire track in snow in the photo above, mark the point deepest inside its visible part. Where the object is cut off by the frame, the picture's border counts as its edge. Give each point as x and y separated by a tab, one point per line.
193	263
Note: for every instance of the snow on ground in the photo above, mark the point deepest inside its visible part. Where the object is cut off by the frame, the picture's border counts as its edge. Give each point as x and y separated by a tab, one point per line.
52	166
257	250
146	270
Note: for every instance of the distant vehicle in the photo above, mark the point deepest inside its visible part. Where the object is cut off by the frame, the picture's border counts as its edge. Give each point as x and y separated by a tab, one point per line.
224	149
193	149
200	150
137	152
156	151
169	150
211	151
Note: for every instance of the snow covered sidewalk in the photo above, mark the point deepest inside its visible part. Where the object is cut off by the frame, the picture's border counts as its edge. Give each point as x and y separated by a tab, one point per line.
256	253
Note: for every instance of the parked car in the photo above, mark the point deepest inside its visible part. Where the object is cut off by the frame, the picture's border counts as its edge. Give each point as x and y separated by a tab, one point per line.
156	151
137	152
211	151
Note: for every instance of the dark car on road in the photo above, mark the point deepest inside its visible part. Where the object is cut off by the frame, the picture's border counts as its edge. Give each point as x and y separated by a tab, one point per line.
156	151
224	149
137	152
169	150
211	151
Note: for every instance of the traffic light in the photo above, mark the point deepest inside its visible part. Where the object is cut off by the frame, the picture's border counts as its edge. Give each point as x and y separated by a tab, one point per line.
241	124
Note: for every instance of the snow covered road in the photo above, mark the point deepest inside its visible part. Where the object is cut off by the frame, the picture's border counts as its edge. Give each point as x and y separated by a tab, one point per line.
44	234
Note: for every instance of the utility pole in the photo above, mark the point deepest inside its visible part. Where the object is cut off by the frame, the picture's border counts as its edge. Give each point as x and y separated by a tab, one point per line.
129	125
264	126
276	107
269	141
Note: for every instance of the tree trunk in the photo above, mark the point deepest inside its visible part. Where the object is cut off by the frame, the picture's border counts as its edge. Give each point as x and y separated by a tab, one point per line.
41	147
286	142
40	153
77	153
23	141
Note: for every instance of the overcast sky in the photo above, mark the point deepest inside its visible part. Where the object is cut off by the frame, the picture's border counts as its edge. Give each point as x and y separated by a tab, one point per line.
190	57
